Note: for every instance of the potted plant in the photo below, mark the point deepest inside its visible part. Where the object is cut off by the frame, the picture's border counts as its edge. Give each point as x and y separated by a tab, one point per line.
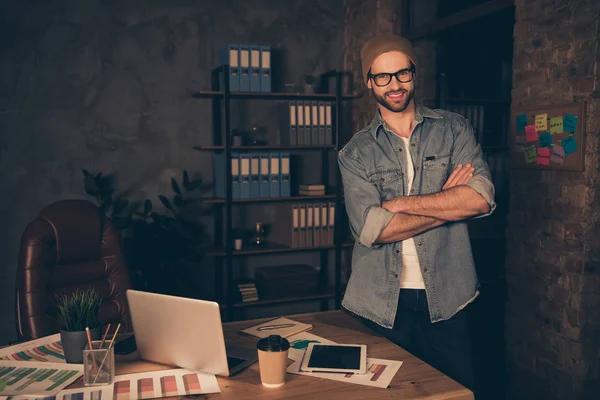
308	84
77	311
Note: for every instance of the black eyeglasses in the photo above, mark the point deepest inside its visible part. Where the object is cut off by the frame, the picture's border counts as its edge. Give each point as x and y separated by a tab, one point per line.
384	79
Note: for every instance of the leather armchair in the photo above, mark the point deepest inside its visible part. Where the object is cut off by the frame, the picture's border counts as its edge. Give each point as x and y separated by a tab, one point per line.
70	245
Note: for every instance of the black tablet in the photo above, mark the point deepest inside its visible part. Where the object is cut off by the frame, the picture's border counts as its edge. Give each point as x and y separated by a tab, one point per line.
343	358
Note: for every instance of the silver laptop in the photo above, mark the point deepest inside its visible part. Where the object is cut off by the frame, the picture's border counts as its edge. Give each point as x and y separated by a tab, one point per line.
184	332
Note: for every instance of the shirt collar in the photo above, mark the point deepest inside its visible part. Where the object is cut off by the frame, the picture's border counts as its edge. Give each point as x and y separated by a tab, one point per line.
421	112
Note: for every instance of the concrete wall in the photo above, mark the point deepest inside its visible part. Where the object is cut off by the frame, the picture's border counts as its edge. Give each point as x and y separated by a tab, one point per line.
105	85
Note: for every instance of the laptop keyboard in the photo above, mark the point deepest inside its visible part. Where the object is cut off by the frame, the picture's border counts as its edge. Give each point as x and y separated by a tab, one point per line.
233	362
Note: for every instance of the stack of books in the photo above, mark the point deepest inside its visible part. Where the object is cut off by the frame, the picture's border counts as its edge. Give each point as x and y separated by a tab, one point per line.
312	190
248	291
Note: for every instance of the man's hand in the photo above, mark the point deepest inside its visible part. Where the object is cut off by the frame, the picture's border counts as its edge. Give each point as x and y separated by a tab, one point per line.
460	176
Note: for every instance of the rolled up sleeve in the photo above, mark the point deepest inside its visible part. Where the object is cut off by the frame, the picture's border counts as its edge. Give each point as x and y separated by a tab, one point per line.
468	151
485	188
363	202
377	219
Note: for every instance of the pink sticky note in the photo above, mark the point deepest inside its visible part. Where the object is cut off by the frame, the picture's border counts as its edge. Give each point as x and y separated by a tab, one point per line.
530	133
543	152
558	154
543	160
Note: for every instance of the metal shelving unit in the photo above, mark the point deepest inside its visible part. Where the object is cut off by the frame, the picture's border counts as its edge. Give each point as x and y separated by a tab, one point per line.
224	252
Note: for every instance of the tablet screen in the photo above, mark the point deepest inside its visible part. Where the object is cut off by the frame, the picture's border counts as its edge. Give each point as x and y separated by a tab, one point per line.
339	357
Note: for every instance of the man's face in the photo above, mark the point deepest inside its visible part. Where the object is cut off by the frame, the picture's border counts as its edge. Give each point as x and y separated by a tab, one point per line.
394	96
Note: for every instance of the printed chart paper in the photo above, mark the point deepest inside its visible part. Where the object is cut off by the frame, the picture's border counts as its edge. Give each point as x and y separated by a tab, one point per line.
48	349
173	382
379	372
40	379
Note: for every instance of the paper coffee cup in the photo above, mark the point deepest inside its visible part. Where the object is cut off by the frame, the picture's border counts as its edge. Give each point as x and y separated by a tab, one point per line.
272	360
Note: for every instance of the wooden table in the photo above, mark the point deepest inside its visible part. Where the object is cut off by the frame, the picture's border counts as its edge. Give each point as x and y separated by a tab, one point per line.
414	380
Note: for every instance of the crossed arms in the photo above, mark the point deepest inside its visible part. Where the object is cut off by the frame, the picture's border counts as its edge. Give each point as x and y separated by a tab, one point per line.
417	214
467	193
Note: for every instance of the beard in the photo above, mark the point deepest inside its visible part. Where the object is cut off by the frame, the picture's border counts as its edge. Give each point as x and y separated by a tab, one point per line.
395	105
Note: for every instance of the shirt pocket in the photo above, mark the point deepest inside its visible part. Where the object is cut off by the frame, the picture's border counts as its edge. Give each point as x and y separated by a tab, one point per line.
388	182
435	171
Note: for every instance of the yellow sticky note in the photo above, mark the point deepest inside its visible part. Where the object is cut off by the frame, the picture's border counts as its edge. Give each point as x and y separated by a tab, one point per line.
556	125
541	122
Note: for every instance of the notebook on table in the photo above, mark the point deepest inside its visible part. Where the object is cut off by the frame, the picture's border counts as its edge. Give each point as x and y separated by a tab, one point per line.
283	327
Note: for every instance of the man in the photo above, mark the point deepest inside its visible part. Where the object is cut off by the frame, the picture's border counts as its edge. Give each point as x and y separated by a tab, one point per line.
411	179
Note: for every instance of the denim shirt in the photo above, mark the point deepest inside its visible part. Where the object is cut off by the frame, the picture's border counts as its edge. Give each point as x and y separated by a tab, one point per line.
372	168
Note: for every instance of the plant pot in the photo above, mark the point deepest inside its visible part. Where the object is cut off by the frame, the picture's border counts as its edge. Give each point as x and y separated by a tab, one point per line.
73	344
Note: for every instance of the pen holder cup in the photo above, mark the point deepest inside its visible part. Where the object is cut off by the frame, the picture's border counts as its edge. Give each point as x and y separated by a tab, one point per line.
98	364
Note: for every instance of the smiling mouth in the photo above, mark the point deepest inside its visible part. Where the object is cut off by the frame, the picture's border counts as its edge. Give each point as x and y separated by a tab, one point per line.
396	95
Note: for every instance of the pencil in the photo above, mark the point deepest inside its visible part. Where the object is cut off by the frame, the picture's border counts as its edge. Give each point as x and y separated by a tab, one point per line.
89	338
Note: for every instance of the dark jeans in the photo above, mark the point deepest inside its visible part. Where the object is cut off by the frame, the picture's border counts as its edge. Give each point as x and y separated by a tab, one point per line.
444	345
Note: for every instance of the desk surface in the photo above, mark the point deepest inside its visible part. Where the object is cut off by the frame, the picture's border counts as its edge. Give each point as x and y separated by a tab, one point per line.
414	380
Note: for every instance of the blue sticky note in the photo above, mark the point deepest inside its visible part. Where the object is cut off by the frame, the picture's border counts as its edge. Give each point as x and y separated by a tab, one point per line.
521	122
570	145
570	123
545	139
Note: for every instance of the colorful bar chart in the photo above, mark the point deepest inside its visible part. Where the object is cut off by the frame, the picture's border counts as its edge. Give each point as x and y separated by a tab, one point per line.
166	383
168	386
46	349
91	393
122	390
145	388
36	379
191	383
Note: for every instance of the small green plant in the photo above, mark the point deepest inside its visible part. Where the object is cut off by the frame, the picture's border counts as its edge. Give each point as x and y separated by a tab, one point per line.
79	310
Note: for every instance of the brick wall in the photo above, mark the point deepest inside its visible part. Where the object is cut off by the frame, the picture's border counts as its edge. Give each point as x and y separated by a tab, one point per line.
553	265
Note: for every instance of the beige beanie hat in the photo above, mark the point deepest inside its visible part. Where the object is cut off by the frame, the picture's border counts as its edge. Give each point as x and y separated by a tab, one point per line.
378	45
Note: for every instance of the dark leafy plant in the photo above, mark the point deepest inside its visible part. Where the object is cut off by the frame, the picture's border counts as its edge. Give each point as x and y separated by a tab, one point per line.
170	238
101	188
78	310
160	242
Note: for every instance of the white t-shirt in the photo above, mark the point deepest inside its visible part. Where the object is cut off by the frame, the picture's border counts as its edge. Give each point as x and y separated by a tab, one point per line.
411	271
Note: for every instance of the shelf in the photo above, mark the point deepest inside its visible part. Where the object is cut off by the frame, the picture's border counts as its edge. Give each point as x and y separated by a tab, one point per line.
272	248
208	94
270	199
275	147
283	300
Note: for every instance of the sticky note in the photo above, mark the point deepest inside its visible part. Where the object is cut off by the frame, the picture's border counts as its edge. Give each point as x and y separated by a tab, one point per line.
543	152
556	125
545	139
541	122
558	155
530	154
543	161
520	142
521	122
530	133
2	385
570	123
570	145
